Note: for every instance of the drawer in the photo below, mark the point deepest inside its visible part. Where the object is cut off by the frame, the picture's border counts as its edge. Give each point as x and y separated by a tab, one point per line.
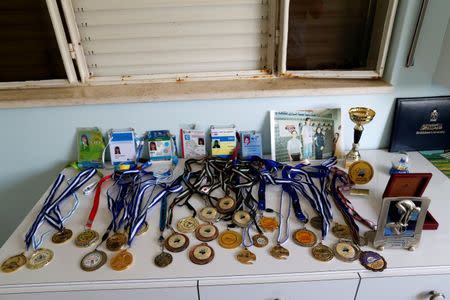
326	290
406	287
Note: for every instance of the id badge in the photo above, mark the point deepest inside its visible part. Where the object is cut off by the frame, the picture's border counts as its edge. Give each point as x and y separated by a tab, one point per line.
193	143
90	147
251	144
122	147
159	145
223	142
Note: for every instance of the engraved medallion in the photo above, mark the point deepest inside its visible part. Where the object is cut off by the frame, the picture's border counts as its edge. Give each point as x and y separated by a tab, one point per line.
372	261
246	257
316	222
208	214
360	172
230	239
39	258
13	263
260	240
322	252
163	259
62	236
226	205
93	261
346	251
268	224
176	242
341	231
206	232
116	241
304	237
187	225
279	252
86	238
241	218
201	254
121	260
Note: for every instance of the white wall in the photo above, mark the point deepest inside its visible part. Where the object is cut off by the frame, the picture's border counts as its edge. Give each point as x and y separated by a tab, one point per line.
442	75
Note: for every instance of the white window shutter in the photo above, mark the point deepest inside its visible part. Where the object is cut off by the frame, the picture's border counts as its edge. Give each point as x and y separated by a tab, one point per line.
179	37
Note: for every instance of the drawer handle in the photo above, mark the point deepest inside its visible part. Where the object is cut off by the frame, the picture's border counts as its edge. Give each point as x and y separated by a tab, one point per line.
436	295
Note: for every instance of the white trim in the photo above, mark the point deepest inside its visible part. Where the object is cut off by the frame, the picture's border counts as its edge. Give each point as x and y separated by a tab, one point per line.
332	74
34	84
62	41
284	29
75	38
386	38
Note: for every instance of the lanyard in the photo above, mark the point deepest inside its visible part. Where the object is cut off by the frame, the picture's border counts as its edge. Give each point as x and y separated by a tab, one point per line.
94	209
281	240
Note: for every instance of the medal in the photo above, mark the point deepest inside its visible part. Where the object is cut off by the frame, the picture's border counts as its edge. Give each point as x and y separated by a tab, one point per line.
13	263
322	252
93	261
86	238
163	259
372	261
121	260
260	240
346	251
316	222
279	252
246	257
206	232
39	258
230	239
226	205
187	225
62	236
201	254
176	242
241	218
304	237
208	214
143	229
360	172
268	224
116	241
341	231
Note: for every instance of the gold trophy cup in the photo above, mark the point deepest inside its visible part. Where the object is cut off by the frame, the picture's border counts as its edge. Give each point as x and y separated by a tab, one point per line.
360	116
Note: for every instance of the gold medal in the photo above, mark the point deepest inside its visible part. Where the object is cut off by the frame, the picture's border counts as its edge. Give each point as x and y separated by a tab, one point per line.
86	238
241	218
13	263
260	240
316	222
143	229
62	236
304	237
341	231
201	254
39	258
230	239
322	252
346	251
360	172
206	232
116	241
187	225
121	260
372	261
268	224
208	214
226	205
176	242
246	257
279	252
92	261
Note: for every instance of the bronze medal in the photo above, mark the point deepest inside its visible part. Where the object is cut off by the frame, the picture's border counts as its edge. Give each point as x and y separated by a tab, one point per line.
92	261
206	232
39	258
176	242
208	214
268	224
279	252
322	252
372	261
121	260
341	231
241	218
62	236
13	263
201	254
86	238
226	205
260	240
116	241
230	239
187	225
316	222
346	251
304	237
246	257
163	259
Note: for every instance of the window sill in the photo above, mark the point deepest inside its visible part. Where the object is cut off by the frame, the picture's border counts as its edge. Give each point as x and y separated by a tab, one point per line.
188	90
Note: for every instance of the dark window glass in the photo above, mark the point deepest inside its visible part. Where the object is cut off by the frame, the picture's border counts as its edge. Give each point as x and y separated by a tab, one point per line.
28	49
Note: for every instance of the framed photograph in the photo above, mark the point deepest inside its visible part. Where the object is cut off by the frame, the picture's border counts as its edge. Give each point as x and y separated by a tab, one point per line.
306	134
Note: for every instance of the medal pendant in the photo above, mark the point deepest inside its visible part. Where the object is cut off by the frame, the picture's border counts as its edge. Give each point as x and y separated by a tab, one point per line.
260	240
93	261
226	205
116	241
305	237
62	236
279	252
341	231
208	214
360	172
201	254
206	232
346	251
372	261
121	260
246	257
176	242
268	224
13	263
316	222
322	252
230	239
241	218
163	259
187	225
143	229
39	258
86	238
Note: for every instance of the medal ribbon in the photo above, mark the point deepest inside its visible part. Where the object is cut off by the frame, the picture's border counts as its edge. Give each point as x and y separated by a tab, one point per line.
94	209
